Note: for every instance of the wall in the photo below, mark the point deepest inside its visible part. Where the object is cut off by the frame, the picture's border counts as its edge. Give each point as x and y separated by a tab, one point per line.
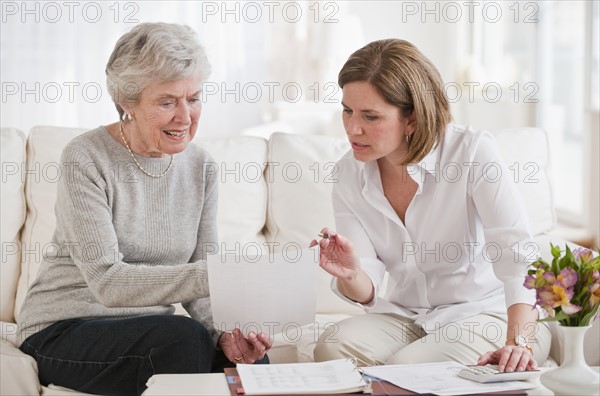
53	54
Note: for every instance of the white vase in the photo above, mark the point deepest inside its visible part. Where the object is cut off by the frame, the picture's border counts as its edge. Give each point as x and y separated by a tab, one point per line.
574	376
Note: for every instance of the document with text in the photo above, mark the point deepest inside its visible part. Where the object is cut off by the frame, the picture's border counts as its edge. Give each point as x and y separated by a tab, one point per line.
270	293
440	379
334	376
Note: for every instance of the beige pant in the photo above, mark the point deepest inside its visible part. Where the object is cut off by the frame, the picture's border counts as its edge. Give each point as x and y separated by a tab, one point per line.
375	339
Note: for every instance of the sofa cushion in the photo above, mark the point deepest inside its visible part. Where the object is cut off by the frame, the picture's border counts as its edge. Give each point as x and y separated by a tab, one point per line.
525	151
18	372
12	207
300	176
242	212
44	148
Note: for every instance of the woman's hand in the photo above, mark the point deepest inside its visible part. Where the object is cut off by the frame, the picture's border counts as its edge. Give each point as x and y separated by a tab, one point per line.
337	255
338	259
509	358
244	350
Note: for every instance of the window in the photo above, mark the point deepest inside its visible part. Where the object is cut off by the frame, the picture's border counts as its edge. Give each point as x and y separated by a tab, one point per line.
545	54
562	109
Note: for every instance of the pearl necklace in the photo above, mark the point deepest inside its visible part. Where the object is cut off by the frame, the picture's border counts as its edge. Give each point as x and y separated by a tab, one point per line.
136	161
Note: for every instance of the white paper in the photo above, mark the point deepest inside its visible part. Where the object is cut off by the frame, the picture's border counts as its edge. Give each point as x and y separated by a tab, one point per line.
271	293
334	376
439	378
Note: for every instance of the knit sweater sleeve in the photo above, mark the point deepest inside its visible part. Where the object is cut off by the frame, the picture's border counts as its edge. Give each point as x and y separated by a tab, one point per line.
200	309
83	200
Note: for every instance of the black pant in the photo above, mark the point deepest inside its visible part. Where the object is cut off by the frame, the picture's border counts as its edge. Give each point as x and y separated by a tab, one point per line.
118	356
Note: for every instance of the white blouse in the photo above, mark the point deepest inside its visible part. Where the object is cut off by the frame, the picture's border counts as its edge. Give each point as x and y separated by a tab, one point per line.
465	245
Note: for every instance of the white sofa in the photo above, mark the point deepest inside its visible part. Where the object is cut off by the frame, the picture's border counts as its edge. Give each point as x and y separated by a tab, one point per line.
275	190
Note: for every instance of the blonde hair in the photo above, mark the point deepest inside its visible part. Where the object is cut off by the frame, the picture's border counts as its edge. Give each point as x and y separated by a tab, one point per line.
405	78
153	52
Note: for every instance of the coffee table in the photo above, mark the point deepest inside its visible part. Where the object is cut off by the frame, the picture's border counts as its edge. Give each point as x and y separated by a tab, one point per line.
215	384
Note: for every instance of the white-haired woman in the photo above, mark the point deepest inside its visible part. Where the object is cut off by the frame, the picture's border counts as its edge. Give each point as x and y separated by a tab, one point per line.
135	213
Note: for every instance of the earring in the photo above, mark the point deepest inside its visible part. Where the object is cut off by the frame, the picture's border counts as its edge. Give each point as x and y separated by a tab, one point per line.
129	117
407	138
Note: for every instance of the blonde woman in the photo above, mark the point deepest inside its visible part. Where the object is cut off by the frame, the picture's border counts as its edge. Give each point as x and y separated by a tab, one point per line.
432	204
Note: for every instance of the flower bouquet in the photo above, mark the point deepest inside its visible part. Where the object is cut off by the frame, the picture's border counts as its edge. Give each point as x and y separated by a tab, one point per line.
568	289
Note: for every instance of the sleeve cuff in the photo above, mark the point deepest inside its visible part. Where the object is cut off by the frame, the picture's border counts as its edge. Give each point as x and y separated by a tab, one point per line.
216	336
516	293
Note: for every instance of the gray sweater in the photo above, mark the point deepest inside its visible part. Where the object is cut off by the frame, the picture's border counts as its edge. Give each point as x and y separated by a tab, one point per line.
126	244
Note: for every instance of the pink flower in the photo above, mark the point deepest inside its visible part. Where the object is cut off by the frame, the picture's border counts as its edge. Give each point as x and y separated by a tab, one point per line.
546	298
529	282
571	309
557	295
561	297
594	287
539	264
567	277
583	254
549	277
568	288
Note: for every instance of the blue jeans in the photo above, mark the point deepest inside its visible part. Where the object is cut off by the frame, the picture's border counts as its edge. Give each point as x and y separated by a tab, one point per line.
118	356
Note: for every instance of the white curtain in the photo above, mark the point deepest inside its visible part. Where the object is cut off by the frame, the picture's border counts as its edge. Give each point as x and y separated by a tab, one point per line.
53	56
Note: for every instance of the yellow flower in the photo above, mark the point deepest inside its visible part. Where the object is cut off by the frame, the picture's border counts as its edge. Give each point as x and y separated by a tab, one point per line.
562	294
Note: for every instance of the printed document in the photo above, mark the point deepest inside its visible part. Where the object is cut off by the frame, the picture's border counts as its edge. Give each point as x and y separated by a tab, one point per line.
334	376
440	379
271	293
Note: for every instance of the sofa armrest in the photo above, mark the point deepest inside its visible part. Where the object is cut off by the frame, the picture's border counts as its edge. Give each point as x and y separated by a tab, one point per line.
18	372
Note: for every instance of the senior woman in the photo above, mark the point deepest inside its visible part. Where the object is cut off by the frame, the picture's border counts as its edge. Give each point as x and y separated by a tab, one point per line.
414	199
135	214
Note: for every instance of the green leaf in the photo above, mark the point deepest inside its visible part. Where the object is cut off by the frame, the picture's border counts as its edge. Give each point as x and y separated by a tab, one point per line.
590	315
555	266
555	250
560	316
568	260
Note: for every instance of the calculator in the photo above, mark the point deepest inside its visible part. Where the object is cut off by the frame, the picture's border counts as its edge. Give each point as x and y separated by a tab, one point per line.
490	373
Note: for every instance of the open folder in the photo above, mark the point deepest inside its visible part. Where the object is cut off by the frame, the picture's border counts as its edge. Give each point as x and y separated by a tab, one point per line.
271	293
343	377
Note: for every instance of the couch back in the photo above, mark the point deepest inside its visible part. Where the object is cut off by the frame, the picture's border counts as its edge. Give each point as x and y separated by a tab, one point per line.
12	210
274	194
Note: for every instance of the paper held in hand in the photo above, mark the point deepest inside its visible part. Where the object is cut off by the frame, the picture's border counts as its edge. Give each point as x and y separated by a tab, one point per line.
272	293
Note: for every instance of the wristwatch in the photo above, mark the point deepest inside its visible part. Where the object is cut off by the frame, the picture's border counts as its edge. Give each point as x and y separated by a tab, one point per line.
522	342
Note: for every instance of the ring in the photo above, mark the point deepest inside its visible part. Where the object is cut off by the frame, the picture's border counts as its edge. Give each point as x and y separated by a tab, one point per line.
238	359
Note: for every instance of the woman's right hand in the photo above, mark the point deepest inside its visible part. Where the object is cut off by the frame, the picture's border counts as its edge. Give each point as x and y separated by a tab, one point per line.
239	349
337	255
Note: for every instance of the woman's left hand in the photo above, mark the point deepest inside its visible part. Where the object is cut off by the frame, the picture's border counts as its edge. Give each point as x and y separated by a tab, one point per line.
509	358
244	350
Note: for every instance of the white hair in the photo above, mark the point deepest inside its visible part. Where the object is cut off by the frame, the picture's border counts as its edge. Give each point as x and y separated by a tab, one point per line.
153	52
